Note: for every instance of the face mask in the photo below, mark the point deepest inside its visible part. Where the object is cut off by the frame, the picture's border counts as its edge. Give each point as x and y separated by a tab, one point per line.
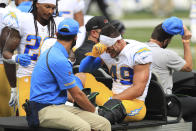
73	44
72	58
98	39
165	45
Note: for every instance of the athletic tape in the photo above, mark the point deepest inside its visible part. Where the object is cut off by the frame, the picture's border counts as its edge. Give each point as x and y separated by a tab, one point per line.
108	41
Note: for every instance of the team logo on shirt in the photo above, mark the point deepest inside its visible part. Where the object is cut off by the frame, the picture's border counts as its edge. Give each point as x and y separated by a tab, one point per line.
65	26
71	83
11	15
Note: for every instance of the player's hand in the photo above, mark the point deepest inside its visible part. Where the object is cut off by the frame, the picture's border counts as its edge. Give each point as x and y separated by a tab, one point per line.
13	97
97	50
74	48
23	59
187	34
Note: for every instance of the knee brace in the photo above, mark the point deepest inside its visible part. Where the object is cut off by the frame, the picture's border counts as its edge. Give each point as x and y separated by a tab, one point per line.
113	110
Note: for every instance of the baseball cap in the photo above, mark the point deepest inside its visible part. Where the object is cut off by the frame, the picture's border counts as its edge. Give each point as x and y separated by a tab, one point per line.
97	22
118	25
70	24
173	26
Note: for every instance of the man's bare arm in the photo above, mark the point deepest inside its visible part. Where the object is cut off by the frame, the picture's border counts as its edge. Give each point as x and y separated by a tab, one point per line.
10	70
10	40
81	99
140	79
69	97
187	51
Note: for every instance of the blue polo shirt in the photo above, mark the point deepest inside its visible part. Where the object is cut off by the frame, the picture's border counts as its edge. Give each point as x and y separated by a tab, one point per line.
44	87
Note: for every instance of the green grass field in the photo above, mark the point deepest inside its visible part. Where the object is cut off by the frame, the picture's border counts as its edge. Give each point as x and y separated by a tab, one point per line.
143	35
147	14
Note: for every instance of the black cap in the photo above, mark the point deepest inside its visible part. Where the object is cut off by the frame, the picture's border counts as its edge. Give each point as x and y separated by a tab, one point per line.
97	22
118	25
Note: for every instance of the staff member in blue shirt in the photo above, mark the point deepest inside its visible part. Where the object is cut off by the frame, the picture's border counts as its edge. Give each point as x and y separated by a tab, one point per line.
51	81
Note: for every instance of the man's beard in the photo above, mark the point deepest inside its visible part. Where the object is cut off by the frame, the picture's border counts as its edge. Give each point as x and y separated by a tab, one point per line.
164	46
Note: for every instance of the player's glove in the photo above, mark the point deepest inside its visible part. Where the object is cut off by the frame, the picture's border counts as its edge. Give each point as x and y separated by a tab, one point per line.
23	59
74	48
97	50
13	97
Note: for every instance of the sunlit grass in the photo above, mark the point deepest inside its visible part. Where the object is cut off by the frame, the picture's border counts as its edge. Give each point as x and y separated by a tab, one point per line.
146	14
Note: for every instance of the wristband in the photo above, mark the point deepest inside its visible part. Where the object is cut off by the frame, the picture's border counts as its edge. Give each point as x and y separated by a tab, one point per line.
96	110
14	58
13	89
10	61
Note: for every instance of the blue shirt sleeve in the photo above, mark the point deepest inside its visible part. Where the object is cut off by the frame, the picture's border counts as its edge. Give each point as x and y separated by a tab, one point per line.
63	72
89	64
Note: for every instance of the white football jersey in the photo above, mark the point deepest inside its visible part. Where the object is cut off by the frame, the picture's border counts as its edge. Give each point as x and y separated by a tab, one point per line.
2	10
30	43
121	67
47	44
1	15
67	8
